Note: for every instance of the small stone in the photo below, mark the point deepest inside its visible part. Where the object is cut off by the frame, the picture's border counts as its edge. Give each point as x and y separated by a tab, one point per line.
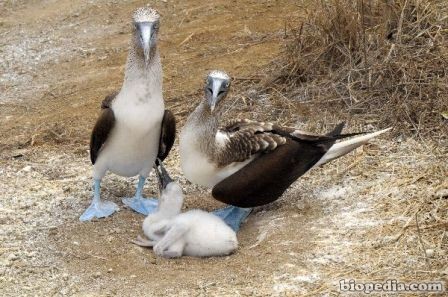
75	243
110	270
12	257
65	291
430	253
26	168
97	275
153	261
65	276
133	276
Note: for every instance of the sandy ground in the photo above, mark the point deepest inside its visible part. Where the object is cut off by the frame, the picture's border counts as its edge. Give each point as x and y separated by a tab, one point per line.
355	218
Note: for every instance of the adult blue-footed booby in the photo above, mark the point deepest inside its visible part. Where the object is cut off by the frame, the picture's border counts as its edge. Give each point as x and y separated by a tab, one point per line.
134	128
248	163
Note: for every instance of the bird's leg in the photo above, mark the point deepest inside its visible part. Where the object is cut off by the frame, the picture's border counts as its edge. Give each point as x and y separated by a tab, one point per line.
98	208
140	241
233	216
171	245
138	203
175	250
157	230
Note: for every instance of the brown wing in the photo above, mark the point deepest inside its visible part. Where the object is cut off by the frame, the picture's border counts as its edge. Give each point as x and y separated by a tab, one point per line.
266	178
167	135
107	102
245	138
102	128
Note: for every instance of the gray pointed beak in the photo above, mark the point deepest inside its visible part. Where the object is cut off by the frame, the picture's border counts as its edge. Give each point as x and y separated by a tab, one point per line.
216	87
163	176
145	29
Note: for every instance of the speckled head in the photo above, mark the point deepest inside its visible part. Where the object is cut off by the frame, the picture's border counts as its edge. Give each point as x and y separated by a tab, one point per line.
217	86
145	14
146	23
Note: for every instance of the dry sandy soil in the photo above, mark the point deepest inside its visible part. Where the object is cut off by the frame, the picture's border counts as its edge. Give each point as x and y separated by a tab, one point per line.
377	214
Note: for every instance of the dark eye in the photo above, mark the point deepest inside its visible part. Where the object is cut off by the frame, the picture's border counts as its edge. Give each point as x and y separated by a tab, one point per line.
210	90
220	92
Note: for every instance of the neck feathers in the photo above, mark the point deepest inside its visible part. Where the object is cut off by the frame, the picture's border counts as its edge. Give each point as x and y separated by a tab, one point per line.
205	124
137	68
169	205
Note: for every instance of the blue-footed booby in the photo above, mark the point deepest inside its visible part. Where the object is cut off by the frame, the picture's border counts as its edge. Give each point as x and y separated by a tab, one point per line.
248	163
133	128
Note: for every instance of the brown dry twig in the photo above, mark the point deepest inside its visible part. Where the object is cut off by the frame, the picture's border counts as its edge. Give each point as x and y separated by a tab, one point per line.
385	59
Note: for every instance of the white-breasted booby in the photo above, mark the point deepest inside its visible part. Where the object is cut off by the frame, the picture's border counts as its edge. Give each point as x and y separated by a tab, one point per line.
193	233
249	163
134	127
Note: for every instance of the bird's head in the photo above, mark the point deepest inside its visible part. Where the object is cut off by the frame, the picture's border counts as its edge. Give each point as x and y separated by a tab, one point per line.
217	86
146	22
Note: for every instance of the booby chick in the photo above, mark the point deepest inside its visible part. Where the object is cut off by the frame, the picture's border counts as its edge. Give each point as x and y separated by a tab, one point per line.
193	233
248	163
125	138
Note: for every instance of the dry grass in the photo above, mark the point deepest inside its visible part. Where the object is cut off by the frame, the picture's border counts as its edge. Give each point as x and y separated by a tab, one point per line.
383	60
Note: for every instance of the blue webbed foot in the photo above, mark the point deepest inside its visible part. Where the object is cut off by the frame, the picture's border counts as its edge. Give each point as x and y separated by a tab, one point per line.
138	203
233	216
141	205
99	209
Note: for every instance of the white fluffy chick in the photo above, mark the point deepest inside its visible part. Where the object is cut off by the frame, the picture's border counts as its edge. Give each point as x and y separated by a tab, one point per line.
193	233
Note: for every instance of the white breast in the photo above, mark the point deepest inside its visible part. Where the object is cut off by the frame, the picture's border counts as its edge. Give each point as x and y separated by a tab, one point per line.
196	165
133	144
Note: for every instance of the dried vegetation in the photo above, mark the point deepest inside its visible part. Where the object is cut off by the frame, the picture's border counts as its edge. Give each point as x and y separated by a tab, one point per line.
380	60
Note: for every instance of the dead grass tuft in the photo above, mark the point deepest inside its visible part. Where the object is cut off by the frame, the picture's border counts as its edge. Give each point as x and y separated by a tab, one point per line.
384	60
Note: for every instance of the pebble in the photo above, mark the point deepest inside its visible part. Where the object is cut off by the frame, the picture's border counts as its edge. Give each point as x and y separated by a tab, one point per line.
65	291
110	270
12	257
97	275
430	253
26	168
65	276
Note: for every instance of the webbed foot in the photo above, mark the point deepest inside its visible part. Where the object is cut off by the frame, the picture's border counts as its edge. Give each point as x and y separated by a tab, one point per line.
141	205
99	209
233	216
140	241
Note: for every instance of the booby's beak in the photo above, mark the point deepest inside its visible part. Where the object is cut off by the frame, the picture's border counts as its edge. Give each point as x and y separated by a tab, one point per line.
216	90
163	177
145	31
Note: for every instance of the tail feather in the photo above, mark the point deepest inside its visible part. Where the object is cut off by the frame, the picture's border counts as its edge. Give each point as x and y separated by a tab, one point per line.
327	139
344	147
337	130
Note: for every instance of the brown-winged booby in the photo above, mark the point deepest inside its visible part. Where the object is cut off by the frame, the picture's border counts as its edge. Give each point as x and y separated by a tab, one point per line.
133	128
248	163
